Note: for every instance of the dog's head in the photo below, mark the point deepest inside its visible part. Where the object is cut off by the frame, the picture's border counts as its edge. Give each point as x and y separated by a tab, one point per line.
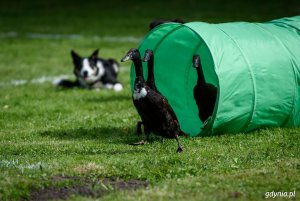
88	70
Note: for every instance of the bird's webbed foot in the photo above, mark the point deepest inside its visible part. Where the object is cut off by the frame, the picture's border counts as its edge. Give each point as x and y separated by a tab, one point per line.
180	149
142	142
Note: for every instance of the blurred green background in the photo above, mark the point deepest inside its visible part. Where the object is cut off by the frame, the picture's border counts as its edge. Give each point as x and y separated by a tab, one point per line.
45	132
130	17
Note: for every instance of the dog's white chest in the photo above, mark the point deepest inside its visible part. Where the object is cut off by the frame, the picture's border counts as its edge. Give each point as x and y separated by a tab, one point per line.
138	94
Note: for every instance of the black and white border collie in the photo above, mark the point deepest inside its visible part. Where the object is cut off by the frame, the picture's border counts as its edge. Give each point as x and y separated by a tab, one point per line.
93	72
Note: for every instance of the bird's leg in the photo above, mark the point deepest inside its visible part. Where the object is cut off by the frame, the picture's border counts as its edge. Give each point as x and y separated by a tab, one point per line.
180	149
146	138
139	128
147	133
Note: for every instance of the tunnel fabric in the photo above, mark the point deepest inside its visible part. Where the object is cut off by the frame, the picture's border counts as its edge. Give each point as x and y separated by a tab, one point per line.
255	66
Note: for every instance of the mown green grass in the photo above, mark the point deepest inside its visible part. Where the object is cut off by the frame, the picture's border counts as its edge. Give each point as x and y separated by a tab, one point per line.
46	131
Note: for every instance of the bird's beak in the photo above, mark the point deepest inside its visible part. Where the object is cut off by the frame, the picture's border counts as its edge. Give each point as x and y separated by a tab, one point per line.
126	58
196	61
146	58
195	65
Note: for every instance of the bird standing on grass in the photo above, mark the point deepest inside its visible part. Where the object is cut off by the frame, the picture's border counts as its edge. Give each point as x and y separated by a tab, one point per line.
156	113
149	58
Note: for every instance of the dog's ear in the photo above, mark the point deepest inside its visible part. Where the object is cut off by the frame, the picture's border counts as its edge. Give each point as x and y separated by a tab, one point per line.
95	54
75	56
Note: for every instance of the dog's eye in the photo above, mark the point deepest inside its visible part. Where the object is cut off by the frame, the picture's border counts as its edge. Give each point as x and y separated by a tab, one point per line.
93	65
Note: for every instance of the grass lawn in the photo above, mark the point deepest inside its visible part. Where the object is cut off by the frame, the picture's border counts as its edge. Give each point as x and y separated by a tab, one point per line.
74	143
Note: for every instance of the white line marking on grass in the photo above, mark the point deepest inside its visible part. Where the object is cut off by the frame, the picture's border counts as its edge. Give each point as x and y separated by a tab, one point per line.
44	79
39	80
18	82
10	34
52	36
117	39
16	164
123	39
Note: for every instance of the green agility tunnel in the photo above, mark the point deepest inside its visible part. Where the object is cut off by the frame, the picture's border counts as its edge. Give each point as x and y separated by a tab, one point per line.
255	67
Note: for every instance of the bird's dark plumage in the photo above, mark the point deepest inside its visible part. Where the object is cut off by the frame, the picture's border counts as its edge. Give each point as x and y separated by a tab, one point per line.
156	113
205	94
149	58
157	22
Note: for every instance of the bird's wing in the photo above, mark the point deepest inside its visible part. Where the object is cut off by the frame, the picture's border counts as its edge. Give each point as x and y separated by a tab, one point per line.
169	113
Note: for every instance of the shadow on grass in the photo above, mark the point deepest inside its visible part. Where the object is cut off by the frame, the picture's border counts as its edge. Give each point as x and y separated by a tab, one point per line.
105	136
111	98
109	135
104	95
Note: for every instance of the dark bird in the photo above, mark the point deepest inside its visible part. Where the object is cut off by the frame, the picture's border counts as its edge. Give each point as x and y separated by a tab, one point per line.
156	113
157	22
205	94
149	58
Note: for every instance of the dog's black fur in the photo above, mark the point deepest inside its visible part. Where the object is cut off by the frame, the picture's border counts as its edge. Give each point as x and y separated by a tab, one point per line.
93	72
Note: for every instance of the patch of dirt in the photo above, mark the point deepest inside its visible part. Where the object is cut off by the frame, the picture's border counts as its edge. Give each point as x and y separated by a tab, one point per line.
84	187
235	194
